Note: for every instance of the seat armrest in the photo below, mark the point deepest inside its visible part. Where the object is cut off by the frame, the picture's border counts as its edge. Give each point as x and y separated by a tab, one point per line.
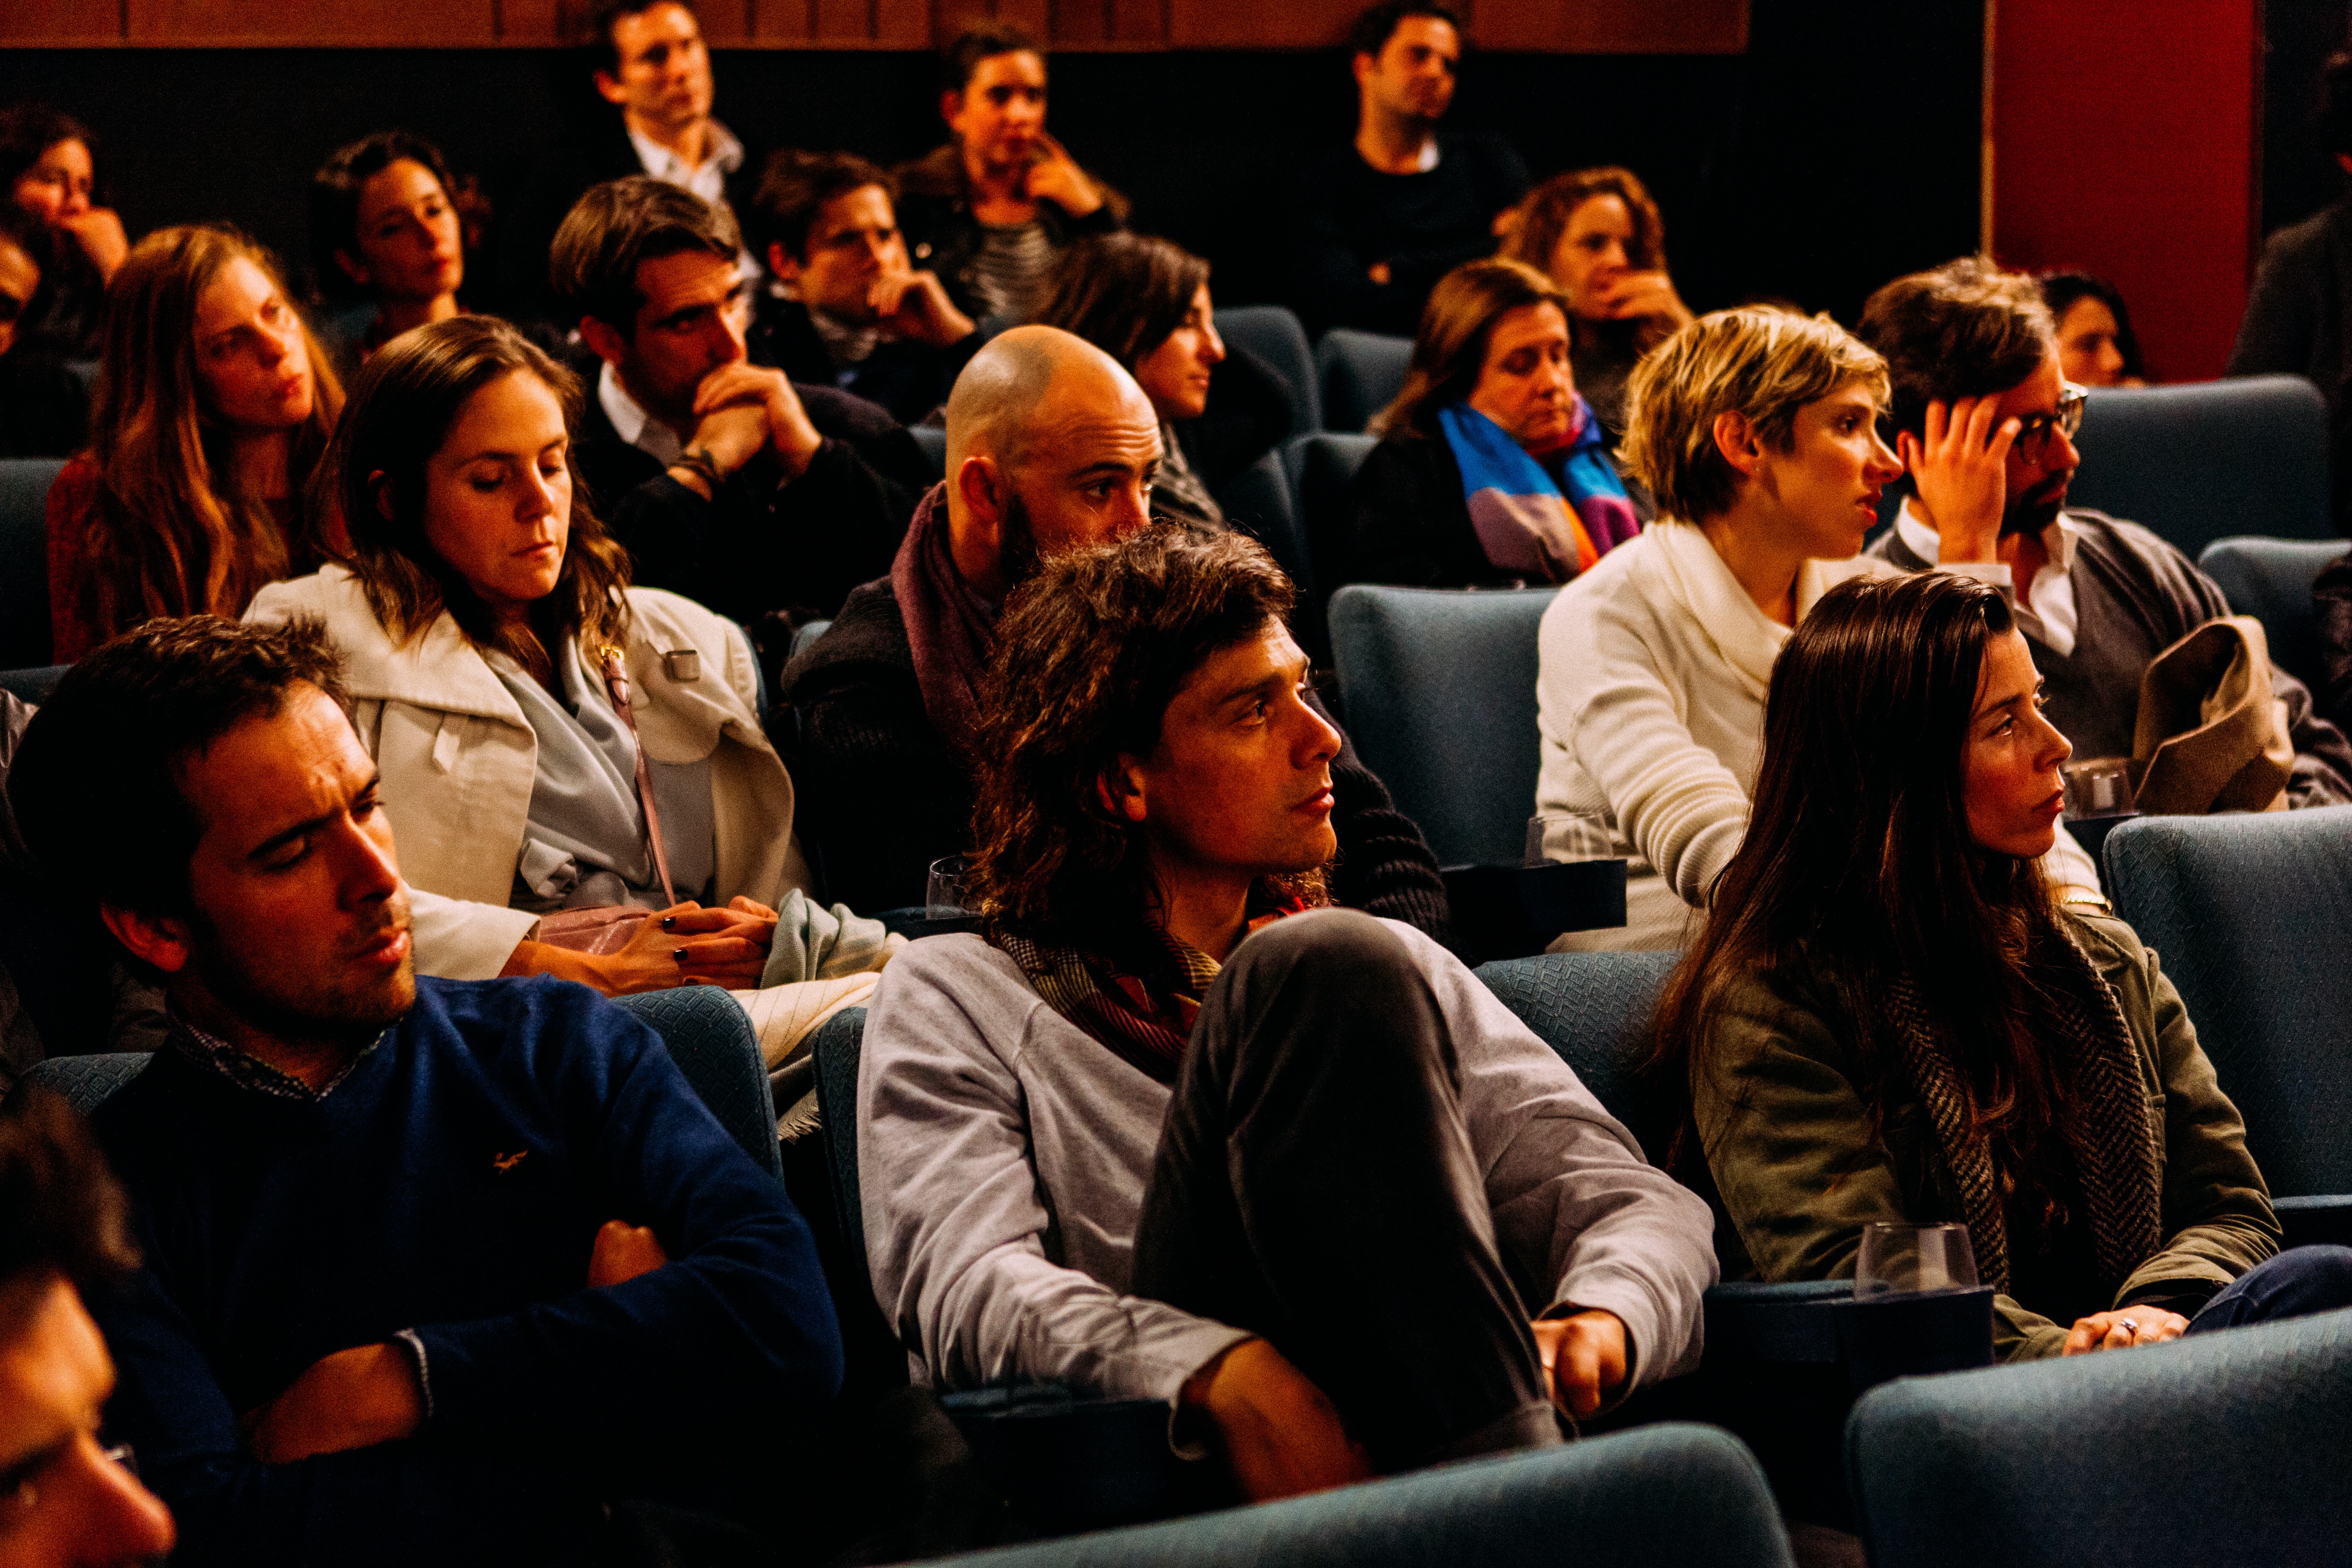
2316	1221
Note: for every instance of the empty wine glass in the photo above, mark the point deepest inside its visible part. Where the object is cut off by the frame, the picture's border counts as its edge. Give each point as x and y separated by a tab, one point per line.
1913	1258
944	894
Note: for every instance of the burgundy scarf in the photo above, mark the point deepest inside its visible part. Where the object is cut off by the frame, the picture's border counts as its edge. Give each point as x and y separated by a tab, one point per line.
949	629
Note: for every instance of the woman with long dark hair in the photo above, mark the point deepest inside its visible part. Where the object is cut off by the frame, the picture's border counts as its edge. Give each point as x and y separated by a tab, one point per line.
212	408
1890	1017
49	167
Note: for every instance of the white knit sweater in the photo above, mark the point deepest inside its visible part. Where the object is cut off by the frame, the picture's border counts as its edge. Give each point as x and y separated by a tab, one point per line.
1653	669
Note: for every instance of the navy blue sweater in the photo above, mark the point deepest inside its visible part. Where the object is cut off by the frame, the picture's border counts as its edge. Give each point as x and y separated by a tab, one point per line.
453	1184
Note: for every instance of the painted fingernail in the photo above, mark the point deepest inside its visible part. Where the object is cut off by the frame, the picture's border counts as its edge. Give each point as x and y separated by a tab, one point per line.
670	922
678	954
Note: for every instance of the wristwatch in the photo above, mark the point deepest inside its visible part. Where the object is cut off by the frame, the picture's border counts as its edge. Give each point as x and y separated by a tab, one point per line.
702	463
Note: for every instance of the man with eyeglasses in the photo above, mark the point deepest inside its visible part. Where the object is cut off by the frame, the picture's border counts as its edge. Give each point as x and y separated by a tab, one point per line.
66	1499
1985	424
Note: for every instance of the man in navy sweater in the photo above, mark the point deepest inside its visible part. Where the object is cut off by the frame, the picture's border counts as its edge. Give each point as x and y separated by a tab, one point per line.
434	1272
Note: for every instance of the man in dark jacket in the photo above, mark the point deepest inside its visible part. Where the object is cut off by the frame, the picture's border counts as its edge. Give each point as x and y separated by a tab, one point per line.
436	1270
990	210
651	65
1985	424
1380	221
715	472
843	306
1051	447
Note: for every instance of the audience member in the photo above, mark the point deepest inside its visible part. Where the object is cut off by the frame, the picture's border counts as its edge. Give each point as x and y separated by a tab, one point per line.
1985	423
1598	234
2294	322
2096	345
436	1271
1757	430
1145	303
989	210
66	1499
1491	470
1888	1018
647	59
844	307
2332	597
718	478
1051	445
50	168
384	227
606	760
44	405
1168	1130
213	406
1378	223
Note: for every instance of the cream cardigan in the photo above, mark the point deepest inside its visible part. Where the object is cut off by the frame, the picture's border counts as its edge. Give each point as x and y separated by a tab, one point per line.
458	758
1652	672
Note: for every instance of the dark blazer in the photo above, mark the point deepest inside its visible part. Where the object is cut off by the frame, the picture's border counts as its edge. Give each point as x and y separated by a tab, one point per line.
534	205
908	379
761	545
935	216
881	795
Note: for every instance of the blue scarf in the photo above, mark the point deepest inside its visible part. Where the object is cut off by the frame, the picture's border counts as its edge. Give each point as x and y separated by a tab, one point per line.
1548	520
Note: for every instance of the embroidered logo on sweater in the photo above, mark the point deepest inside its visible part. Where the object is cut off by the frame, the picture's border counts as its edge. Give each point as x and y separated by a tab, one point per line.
508	1161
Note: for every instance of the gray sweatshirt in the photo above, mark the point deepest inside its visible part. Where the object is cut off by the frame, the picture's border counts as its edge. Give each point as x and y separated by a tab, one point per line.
1002	1154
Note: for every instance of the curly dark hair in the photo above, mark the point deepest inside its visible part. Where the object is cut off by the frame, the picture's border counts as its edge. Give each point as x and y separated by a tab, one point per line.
1088	655
335	199
1967	329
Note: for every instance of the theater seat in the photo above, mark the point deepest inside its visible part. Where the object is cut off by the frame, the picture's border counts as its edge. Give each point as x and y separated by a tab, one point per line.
712	1043
1274	336
33	685
86	1081
1257	501
23	561
2206	458
932	440
2226	1448
1439	689
1361	374
1320	469
2271	579
1594	1009
1689	1496
805	636
2251	917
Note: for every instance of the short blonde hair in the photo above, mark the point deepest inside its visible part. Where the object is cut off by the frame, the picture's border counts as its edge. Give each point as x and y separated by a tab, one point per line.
1762	362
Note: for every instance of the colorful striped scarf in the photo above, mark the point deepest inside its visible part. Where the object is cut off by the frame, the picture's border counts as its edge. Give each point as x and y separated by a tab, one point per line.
1548	519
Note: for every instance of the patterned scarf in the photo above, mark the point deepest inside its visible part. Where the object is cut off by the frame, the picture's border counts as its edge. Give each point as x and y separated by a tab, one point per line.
951	630
1550	514
1141	1007
2103	1117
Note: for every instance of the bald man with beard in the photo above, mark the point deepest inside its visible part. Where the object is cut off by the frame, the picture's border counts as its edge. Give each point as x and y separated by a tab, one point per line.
1051	447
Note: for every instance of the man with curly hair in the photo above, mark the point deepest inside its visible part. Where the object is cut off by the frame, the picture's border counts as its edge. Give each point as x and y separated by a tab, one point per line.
1173	1130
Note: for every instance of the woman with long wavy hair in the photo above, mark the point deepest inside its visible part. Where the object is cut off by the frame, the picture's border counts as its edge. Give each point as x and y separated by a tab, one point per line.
1891	1017
212	409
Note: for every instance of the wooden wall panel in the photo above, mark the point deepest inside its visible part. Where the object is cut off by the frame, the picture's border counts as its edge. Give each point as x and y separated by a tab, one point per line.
60	24
902	23
1138	22
323	24
533	24
1260	24
1573	27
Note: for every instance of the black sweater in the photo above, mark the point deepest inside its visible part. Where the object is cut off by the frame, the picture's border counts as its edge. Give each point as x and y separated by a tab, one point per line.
881	795
1349	216
908	379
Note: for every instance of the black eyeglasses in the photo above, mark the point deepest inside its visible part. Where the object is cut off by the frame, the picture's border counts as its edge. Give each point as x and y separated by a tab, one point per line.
2034	434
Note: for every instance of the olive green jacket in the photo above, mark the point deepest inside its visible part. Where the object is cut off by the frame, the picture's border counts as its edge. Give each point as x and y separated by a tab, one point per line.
1798	1172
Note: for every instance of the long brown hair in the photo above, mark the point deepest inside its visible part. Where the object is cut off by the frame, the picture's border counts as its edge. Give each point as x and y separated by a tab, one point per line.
1858	865
1124	293
1542	219
1449	350
172	535
405	400
1090	652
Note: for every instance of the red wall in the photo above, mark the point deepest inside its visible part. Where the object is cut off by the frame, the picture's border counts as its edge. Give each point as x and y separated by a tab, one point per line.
2125	142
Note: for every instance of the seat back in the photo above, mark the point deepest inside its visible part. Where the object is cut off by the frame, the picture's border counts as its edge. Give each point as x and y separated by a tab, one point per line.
711	1041
1439	689
2252	916
86	1081
837	1046
1689	1495
2271	579
25	561
1320	469
1594	1009
1257	501
805	636
33	685
2197	461
1361	374
933	441
1274	336
2228	1447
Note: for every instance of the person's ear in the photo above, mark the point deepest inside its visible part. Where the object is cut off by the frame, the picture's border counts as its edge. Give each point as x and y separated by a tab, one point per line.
1366	66
1908	450
1737	442
1120	790
354	269
604	339
379	484
951	106
163	942
782	263
609	89
987	494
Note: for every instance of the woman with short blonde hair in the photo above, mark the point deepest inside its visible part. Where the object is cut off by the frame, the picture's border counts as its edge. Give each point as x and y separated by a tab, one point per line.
1757	431
212	409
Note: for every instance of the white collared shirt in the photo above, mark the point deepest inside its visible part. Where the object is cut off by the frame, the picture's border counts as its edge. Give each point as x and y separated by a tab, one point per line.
706	179
631	424
2046	610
